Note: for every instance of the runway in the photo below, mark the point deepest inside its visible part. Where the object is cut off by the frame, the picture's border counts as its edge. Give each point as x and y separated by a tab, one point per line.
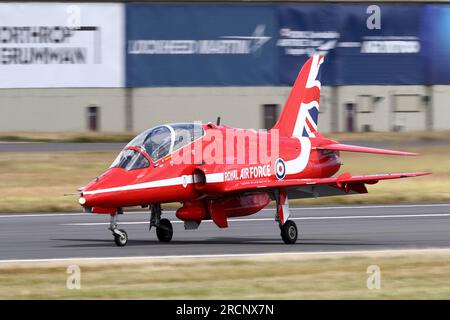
56	235
341	228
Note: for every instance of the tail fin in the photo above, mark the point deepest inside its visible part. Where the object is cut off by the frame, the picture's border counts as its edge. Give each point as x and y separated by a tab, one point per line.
300	113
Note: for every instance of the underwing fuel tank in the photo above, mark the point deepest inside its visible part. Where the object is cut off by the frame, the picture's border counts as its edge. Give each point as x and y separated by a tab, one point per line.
220	209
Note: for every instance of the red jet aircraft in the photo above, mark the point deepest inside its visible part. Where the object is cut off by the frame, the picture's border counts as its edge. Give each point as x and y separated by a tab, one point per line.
217	172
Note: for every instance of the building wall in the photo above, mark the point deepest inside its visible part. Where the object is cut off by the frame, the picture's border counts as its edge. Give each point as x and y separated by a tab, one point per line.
441	107
66	109
237	106
325	122
47	110
400	107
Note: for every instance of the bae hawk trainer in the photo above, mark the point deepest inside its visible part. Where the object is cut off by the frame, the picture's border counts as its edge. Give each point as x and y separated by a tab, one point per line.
217	172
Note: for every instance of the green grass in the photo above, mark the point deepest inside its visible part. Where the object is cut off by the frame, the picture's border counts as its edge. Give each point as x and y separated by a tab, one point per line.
37	182
404	275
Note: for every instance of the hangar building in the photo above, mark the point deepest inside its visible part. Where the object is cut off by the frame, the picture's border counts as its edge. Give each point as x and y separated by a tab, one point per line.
118	67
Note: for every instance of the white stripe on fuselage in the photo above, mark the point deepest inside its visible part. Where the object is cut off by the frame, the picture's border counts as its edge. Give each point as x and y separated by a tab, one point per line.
146	185
215	177
183	180
293	166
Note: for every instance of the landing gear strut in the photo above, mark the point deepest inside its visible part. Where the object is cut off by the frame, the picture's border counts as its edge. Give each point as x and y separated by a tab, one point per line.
164	229
120	236
289	231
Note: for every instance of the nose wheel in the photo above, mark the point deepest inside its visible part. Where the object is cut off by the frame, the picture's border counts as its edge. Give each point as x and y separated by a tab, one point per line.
120	235
164	229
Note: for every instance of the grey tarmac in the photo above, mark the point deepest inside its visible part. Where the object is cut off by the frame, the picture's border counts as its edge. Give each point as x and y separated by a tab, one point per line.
321	229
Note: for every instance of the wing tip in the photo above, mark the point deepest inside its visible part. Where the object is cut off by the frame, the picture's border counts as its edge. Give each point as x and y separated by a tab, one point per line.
415	174
423	173
410	153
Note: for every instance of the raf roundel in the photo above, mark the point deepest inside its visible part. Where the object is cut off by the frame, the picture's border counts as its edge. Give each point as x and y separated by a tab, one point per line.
280	168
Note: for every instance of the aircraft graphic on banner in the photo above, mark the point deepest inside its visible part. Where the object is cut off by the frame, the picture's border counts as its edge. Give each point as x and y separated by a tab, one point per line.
257	38
223	45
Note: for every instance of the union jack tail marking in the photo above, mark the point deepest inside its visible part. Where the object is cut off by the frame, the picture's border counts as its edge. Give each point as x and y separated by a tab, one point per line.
301	111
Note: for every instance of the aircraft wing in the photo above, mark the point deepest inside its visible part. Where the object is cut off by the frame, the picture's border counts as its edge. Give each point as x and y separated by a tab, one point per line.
323	187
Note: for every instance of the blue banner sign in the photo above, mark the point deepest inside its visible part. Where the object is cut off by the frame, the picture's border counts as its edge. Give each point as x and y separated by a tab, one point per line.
436	43
305	30
266	44
200	45
379	45
363	44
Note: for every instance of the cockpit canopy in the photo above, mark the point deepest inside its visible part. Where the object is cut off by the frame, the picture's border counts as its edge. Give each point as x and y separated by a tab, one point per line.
157	143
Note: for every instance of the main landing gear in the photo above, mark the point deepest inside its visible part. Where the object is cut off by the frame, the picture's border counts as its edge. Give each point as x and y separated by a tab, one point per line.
164	229
288	228
289	232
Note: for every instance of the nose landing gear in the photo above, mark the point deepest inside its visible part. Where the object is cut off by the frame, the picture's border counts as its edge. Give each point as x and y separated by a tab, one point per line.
120	235
164	229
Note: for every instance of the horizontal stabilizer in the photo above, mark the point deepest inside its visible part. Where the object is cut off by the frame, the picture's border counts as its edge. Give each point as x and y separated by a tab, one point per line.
351	148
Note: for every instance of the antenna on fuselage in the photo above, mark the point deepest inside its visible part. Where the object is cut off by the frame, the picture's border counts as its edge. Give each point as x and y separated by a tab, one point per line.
218	121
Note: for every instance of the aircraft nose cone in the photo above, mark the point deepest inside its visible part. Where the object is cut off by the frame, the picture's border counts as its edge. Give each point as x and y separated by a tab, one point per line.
88	200
98	192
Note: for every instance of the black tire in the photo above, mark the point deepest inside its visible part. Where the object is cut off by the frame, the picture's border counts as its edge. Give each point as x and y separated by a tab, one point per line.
121	240
165	231
289	232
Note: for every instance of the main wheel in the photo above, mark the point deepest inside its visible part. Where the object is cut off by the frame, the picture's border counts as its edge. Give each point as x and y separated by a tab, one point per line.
289	232
121	240
165	231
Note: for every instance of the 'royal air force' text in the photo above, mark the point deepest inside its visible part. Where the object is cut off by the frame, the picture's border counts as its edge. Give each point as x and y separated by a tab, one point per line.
248	173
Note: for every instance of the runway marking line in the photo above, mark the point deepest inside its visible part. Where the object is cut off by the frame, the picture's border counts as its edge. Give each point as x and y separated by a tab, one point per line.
433	215
237	255
267	209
